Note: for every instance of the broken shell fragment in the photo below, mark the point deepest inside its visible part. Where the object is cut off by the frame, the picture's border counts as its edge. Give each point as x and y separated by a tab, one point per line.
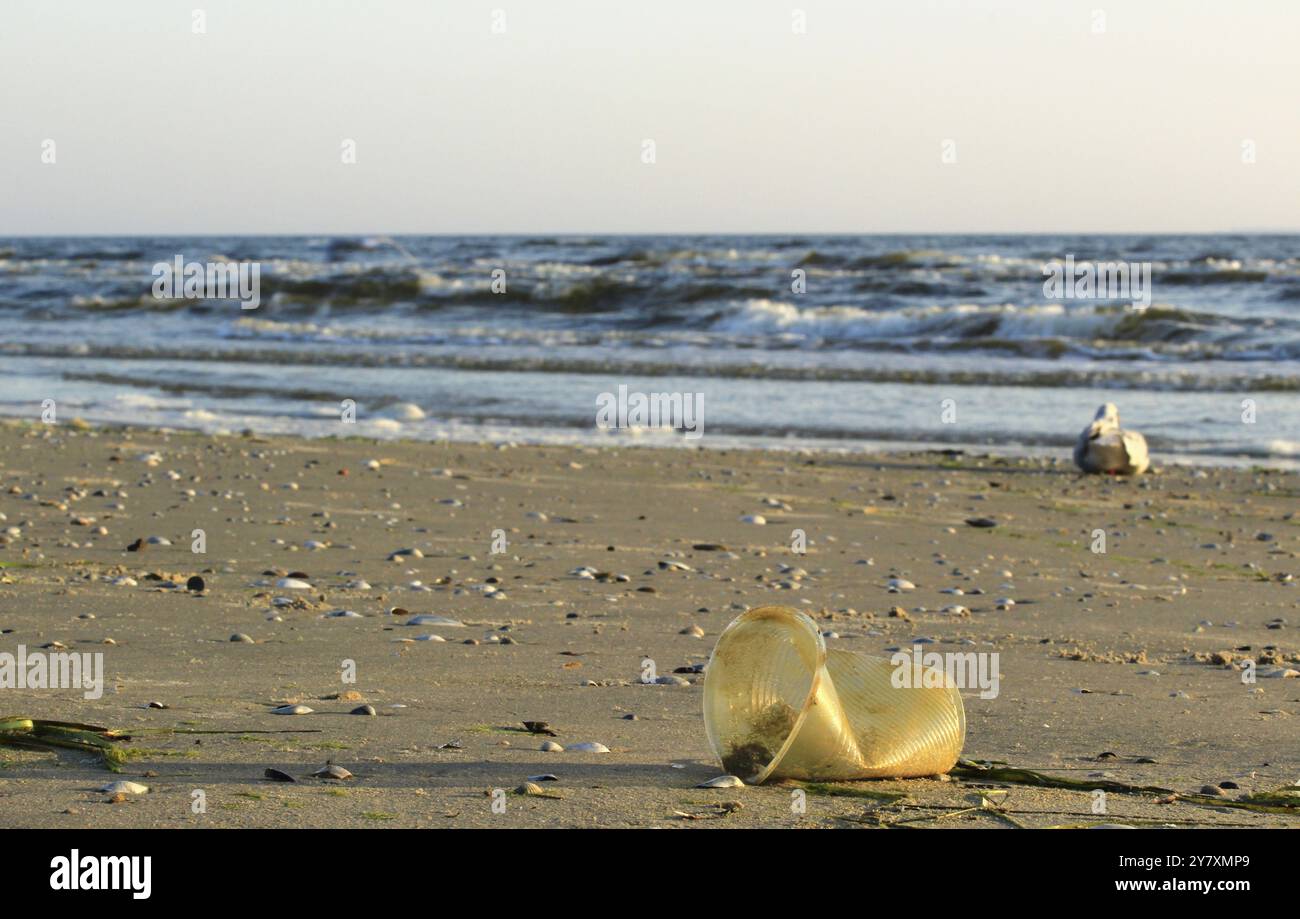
292	710
332	771
125	788
588	747
722	781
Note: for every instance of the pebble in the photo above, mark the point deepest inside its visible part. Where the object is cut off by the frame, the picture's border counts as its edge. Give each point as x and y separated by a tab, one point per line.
195	584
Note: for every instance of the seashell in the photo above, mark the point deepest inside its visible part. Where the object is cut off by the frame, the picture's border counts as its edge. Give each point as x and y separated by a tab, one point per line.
363	710
125	788
670	680
399	554
983	523
544	777
275	775
292	584
357	585
342	614
430	619
588	747
896	585
1005	603
429	638
332	771
291	710
241	638
1283	673
694	631
158	541
551	746
529	788
722	781
313	544
124	582
756	519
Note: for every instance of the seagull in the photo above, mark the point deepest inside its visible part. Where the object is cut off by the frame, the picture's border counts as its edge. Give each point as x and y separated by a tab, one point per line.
1105	447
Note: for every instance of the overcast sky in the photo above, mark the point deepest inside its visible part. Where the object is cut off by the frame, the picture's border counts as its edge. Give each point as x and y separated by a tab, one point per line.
541	128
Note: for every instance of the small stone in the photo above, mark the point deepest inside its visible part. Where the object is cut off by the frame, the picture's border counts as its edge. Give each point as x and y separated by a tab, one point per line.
195	584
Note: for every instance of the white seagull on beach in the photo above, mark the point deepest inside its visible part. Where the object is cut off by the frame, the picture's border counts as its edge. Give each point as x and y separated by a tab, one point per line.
1105	447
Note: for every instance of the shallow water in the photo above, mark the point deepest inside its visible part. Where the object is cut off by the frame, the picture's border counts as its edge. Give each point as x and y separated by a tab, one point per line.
887	329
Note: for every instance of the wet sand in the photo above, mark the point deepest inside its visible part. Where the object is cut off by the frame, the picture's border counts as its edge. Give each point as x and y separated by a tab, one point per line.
1107	660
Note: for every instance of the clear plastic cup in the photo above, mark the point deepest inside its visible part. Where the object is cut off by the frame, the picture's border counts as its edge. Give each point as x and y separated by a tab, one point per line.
777	704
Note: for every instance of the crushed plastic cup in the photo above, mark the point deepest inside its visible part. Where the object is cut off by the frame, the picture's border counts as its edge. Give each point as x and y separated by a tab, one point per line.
777	704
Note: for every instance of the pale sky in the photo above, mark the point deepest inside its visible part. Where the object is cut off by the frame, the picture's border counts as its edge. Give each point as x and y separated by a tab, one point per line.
757	128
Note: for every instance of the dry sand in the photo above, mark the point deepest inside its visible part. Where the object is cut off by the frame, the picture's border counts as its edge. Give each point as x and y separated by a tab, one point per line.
1186	575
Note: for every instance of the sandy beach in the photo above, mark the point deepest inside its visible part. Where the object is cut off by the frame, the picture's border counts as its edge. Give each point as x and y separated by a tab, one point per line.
1116	667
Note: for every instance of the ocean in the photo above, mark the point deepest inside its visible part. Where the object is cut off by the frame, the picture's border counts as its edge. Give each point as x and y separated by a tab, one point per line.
848	342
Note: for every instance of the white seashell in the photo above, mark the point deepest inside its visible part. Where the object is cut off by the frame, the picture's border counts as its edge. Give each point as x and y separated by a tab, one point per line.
158	541
342	614
125	788
292	584
897	584
291	710
1283	673
429	638
399	554
124	582
1005	603
756	519
550	746
722	781
357	585
588	747
313	544
435	620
